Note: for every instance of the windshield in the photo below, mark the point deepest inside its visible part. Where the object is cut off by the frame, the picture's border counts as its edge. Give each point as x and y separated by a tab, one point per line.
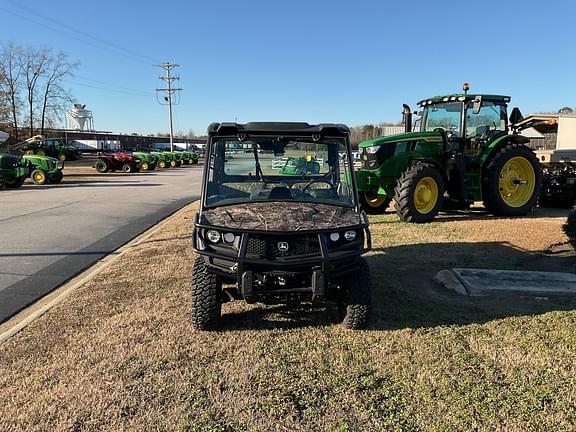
272	168
443	115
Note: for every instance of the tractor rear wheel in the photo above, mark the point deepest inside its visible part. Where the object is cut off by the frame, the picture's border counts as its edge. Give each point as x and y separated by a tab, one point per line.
418	193
206	293
355	298
14	183
55	177
374	203
511	181
102	166
39	177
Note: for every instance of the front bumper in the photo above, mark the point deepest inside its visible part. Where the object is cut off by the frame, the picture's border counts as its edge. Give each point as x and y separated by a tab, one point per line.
265	276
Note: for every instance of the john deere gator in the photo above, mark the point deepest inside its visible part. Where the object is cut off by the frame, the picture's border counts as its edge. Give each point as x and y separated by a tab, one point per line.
466	150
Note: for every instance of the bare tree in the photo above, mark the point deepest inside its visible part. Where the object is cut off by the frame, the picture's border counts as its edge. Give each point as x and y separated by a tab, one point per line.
54	95
10	60
34	64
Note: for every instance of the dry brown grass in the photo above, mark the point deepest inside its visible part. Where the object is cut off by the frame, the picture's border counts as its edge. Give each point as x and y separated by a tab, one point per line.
119	354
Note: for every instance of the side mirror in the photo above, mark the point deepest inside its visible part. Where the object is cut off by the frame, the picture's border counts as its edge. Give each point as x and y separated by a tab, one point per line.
477	104
516	116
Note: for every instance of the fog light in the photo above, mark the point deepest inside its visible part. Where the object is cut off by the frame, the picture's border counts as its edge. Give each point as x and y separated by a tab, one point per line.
334	237
350	235
229	237
213	236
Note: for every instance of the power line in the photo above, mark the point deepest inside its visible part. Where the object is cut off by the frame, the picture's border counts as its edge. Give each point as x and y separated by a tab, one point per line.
170	91
100	44
110	90
133	90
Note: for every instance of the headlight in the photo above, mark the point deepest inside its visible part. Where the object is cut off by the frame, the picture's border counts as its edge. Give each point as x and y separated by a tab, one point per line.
229	238
213	236
136	160
334	237
350	235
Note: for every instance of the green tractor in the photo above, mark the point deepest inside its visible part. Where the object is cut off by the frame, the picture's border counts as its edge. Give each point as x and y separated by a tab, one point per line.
164	159
189	157
44	169
148	161
13	171
53	147
300	166
466	150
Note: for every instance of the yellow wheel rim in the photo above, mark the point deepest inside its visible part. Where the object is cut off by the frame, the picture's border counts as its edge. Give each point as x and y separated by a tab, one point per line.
173	164
161	164
374	201
517	182
425	195
62	157
144	166
39	177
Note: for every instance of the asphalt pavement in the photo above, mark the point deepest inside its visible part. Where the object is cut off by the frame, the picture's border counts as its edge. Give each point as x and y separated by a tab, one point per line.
50	233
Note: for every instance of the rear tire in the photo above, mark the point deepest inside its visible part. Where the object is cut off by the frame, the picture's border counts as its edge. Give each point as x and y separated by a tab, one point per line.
206	292
511	181
419	192
14	183
161	164
39	177
102	166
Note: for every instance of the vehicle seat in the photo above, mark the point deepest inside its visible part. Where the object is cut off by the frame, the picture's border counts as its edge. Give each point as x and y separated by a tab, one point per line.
280	192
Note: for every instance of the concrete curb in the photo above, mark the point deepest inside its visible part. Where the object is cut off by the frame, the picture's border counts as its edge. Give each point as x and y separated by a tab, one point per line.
43	305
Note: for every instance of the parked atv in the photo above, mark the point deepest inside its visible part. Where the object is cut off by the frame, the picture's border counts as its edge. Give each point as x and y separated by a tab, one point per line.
558	187
117	162
274	237
44	169
13	170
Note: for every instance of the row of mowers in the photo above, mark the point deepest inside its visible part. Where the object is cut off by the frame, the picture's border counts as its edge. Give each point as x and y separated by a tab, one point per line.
144	161
15	170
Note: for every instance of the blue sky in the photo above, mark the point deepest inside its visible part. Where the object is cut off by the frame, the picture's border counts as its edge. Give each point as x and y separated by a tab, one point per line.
316	61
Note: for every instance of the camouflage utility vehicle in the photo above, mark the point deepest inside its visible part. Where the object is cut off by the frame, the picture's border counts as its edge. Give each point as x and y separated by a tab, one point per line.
273	237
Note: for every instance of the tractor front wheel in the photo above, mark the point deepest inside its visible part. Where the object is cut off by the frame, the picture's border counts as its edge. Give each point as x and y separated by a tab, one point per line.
511	181
62	156
102	166
128	168
161	164
374	203
39	177
418	194
144	166
206	293
55	177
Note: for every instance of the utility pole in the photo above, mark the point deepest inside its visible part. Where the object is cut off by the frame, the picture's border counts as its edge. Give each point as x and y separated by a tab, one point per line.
170	91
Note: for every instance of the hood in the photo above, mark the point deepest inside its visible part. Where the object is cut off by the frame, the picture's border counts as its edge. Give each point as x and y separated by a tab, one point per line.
432	137
281	216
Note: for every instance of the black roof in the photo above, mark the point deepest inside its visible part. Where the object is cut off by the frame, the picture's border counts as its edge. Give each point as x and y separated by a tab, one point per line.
278	127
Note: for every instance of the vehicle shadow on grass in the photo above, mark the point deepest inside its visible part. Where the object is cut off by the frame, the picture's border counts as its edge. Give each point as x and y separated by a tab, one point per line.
97	184
405	296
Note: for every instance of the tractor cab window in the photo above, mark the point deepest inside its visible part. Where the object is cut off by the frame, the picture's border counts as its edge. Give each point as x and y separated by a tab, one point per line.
446	116
488	122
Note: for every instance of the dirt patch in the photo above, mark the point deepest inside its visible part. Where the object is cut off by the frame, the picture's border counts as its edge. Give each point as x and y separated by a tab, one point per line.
120	354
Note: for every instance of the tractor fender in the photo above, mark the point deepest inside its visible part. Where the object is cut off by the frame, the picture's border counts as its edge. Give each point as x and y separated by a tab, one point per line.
434	162
498	143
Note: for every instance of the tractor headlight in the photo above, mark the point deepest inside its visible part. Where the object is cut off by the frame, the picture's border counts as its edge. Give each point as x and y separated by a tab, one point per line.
213	236
350	235
335	237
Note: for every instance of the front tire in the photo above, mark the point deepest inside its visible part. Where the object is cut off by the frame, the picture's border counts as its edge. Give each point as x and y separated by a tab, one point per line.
144	166
418	193
356	296
511	181
374	203
206	292
128	168
161	164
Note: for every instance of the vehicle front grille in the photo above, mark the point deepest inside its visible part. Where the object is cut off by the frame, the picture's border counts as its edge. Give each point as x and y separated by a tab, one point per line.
267	246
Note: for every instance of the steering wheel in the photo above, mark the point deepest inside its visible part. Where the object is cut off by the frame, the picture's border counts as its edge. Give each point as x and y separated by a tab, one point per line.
310	183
